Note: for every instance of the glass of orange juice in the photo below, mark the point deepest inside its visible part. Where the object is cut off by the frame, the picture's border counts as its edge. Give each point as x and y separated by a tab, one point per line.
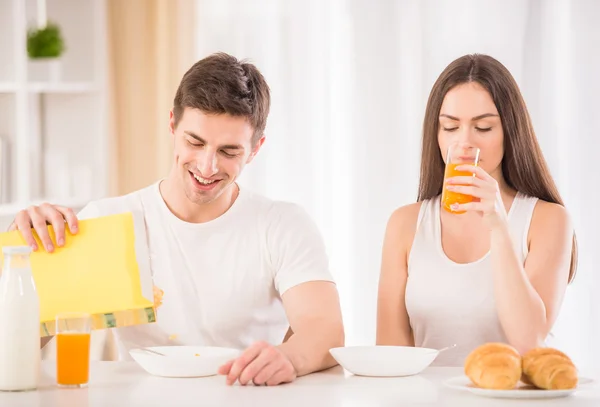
458	154
73	332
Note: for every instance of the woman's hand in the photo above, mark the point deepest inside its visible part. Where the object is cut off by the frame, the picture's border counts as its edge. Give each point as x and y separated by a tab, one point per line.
485	190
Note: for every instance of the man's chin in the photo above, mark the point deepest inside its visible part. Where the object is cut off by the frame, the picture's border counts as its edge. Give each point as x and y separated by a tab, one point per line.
202	198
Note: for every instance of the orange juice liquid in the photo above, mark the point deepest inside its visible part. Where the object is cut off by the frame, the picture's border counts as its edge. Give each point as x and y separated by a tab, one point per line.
450	197
72	358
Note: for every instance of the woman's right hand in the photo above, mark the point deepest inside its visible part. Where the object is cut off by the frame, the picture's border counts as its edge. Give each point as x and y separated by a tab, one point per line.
38	218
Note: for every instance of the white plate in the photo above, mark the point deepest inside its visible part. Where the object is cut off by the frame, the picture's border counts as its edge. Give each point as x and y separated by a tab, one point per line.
384	361
181	361
521	392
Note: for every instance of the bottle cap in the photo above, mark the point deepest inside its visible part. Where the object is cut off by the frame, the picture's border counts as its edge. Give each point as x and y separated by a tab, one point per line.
16	250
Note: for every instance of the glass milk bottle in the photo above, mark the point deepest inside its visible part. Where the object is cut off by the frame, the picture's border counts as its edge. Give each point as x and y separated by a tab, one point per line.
19	322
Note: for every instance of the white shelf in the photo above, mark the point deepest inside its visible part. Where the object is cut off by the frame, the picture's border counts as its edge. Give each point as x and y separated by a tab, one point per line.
12	209
8	87
62	87
50	87
55	133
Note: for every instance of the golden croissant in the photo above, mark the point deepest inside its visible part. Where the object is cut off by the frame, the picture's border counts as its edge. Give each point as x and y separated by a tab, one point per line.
550	369
494	366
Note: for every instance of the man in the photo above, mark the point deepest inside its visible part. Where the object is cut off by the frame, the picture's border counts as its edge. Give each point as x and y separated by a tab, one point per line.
236	269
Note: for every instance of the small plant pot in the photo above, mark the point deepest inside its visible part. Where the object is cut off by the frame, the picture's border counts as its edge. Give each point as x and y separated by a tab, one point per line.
45	70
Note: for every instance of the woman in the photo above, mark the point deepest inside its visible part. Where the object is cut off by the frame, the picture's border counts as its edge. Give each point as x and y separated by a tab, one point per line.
499	271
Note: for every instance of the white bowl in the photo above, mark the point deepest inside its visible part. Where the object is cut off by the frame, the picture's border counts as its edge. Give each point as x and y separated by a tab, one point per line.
184	361
384	361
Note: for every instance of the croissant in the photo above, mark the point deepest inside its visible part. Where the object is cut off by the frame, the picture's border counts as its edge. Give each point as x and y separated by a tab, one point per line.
494	366
550	369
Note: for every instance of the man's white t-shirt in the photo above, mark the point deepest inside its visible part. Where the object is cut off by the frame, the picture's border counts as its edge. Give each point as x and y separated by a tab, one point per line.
222	280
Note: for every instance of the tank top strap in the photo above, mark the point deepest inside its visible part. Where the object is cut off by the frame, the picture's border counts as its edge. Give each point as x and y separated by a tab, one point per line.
428	219
422	212
520	215
425	231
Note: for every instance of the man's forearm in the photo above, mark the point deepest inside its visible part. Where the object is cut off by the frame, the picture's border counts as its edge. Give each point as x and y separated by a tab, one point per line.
309	351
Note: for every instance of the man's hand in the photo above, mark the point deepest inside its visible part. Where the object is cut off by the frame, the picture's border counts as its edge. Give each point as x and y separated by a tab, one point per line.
261	364
38	218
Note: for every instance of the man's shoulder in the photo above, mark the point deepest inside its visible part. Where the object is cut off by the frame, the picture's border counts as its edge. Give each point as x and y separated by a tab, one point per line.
282	220
273	209
133	201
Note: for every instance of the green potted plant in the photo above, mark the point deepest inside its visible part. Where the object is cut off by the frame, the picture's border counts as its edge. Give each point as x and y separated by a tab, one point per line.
45	46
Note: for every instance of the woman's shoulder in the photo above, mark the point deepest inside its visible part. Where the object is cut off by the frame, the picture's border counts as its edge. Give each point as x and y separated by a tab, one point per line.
549	219
406	214
550	212
402	223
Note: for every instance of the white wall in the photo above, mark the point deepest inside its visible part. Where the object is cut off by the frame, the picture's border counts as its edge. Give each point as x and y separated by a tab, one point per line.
350	81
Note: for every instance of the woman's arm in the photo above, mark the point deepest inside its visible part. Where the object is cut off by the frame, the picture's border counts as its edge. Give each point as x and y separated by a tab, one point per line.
528	298
393	326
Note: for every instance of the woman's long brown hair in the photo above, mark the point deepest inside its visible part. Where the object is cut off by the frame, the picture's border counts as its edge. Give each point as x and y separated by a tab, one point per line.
523	165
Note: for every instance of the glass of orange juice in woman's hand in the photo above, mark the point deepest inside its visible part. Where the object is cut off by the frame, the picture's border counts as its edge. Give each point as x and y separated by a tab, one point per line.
458	154
73	349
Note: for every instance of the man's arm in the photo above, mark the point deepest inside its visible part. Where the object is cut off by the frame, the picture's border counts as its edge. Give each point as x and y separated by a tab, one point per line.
315	327
310	299
316	322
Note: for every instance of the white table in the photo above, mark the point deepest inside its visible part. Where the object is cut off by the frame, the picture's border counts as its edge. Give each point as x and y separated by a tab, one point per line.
125	384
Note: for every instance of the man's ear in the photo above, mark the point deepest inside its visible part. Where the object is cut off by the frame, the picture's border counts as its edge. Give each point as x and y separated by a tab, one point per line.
255	149
171	123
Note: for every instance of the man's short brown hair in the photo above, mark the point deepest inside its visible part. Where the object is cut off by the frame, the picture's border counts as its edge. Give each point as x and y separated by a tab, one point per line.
221	84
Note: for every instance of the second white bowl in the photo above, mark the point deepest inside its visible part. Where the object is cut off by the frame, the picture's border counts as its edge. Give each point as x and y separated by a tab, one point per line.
384	361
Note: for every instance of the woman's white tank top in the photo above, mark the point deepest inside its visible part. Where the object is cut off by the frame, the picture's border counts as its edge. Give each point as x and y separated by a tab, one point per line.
451	303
